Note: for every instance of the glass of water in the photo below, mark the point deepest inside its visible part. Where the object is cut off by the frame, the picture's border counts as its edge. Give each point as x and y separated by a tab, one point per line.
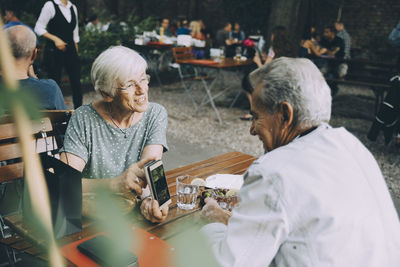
186	192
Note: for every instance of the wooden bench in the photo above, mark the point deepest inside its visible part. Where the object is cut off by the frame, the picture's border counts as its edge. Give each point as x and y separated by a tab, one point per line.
365	73
47	132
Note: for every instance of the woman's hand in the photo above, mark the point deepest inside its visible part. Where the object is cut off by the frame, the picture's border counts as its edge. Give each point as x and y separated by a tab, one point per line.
257	59
60	44
212	212
135	179
151	211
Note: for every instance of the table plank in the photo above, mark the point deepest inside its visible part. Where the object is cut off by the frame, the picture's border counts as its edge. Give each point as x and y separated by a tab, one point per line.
226	63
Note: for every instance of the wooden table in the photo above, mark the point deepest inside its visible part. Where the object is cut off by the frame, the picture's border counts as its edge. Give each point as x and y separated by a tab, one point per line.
229	163
226	64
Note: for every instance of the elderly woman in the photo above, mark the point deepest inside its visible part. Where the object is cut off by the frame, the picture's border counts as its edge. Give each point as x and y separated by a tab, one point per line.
316	197
111	139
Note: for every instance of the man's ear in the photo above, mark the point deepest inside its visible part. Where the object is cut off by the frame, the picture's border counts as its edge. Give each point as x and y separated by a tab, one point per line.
286	111
34	55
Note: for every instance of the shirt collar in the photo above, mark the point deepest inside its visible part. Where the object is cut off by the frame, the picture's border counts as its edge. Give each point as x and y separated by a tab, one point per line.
58	2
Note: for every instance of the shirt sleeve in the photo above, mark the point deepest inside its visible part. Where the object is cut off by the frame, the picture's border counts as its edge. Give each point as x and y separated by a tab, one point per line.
76	30
257	228
48	12
157	134
75	139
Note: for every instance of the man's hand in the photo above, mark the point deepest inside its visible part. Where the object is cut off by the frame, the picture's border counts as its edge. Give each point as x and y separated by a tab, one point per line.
151	211
212	212
60	44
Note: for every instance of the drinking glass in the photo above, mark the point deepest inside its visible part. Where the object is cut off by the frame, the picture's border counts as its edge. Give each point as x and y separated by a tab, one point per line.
238	53
186	192
222	52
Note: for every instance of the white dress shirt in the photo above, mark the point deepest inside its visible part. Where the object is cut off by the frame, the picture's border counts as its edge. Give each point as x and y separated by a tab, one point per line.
319	201
48	12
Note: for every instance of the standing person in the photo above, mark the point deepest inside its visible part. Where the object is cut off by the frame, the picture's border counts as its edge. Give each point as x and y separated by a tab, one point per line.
58	23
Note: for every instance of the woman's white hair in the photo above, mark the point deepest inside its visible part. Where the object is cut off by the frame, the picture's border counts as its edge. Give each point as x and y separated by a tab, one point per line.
115	66
298	82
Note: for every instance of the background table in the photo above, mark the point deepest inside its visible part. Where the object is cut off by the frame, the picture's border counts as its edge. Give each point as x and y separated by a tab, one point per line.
226	64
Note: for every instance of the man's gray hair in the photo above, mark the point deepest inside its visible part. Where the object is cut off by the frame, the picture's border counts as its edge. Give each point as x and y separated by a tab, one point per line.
298	82
22	41
114	67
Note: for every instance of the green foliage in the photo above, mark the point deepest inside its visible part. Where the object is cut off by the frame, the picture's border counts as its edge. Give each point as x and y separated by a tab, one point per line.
92	43
8	98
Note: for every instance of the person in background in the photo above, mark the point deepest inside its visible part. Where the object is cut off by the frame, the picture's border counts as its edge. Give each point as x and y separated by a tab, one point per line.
11	17
173	27
237	34
195	31
58	23
316	197
111	139
165	28
342	33
94	24
23	45
184	28
281	46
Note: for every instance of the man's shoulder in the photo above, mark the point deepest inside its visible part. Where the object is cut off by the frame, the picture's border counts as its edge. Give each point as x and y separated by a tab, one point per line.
42	83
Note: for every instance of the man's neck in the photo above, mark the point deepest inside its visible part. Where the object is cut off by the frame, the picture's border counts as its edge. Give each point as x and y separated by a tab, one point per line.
21	69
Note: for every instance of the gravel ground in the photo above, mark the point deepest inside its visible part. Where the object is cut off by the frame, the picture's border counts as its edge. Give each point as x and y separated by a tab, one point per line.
353	108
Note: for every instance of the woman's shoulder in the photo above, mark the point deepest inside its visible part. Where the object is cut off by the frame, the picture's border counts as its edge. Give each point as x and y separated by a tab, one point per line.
84	110
155	108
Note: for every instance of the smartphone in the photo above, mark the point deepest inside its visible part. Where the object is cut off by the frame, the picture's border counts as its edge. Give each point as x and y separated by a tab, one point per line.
103	251
155	177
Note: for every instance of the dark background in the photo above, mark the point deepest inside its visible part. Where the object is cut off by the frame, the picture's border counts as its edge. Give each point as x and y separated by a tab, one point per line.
369	22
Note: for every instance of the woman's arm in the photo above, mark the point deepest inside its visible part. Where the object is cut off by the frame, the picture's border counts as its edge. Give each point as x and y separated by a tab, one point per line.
47	13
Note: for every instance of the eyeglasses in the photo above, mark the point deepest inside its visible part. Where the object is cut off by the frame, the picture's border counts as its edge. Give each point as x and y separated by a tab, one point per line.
131	85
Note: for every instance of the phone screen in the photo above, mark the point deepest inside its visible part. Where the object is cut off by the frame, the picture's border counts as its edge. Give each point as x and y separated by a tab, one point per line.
159	185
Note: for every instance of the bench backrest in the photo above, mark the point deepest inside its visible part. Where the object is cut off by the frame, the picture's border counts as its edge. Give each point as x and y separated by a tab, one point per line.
48	133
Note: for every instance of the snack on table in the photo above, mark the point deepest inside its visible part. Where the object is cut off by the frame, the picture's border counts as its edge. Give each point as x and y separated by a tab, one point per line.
226	198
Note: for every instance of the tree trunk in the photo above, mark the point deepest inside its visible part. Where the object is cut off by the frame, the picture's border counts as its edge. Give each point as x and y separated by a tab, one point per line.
289	13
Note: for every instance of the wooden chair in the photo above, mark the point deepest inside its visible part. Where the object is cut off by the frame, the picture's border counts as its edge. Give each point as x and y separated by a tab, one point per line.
188	75
48	133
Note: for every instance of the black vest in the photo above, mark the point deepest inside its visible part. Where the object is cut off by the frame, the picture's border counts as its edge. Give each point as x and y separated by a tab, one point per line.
60	27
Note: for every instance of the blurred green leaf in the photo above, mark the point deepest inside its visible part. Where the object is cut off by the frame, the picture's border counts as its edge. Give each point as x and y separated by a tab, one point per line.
25	97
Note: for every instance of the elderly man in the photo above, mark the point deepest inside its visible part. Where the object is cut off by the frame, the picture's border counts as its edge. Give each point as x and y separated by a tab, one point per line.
317	197
23	44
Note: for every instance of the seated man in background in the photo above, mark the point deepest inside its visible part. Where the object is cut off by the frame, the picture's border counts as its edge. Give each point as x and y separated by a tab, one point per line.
23	44
11	15
316	197
184	28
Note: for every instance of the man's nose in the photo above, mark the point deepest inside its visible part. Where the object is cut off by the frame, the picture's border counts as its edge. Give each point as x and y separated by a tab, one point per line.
252	129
